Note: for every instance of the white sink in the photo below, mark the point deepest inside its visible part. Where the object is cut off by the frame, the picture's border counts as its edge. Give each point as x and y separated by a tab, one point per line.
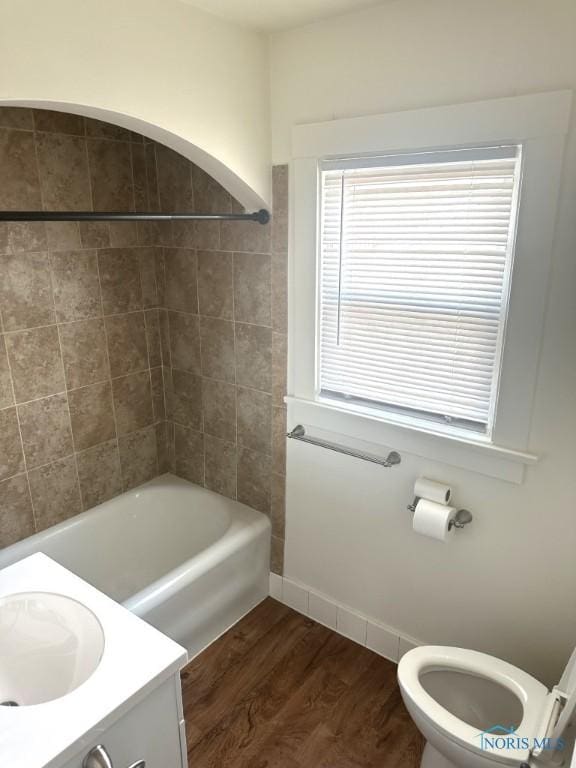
49	645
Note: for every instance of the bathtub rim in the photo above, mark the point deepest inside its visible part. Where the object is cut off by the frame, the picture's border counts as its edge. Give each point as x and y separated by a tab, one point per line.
245	524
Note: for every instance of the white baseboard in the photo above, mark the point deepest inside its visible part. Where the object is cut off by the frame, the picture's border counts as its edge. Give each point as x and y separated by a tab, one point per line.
383	640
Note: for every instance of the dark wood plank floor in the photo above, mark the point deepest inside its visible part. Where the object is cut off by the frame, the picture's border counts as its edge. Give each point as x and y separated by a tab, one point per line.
280	691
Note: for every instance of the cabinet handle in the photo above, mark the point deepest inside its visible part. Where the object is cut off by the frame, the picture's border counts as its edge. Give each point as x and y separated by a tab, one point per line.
97	758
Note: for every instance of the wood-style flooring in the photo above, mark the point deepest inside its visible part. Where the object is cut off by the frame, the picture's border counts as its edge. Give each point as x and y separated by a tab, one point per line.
281	691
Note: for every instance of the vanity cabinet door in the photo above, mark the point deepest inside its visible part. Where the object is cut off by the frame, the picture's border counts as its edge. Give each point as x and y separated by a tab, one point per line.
151	731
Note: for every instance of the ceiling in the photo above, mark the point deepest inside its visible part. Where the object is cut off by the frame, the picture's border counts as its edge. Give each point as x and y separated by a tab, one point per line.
273	15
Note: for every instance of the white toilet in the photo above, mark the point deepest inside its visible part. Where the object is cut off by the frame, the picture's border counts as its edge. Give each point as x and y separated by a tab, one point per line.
476	711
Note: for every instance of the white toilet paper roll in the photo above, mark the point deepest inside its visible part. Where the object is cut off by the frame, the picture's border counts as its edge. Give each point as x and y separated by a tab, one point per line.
430	489
432	519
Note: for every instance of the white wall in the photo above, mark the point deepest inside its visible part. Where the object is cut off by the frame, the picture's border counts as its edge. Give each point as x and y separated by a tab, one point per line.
409	54
507	584
161	67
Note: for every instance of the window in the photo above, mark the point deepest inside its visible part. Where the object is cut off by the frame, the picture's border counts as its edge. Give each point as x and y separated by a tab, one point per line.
420	249
415	259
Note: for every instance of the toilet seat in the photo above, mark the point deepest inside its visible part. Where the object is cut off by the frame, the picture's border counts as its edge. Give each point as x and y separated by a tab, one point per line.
532	694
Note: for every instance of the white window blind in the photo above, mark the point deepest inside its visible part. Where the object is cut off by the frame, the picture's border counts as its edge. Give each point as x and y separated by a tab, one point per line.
416	254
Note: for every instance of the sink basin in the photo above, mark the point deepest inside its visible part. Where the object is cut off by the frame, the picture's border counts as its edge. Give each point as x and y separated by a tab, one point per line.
49	645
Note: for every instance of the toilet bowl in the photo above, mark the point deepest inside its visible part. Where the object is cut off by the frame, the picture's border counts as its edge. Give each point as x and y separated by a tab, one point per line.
477	711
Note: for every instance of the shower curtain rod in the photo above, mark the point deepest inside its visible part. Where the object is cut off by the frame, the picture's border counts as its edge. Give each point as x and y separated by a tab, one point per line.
262	216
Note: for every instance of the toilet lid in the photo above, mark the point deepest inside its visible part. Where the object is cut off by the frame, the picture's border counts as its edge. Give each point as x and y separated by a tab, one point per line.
566	688
567	682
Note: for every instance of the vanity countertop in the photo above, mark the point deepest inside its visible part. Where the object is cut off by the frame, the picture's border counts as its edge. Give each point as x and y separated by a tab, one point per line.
135	660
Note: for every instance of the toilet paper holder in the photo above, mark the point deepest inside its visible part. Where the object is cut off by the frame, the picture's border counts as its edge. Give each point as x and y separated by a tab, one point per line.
460	520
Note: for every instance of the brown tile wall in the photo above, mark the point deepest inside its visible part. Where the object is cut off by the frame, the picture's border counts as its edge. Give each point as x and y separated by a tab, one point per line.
130	350
79	322
223	331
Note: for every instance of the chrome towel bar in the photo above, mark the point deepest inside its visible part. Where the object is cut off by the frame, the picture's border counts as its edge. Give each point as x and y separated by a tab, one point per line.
299	433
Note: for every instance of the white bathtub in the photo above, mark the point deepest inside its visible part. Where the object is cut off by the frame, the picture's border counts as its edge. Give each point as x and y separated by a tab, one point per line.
188	561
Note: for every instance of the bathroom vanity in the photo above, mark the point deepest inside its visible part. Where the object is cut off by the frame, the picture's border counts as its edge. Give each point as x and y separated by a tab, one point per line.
150	734
83	682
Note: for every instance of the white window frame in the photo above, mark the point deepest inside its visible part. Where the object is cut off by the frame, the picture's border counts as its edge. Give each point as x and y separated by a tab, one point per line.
539	123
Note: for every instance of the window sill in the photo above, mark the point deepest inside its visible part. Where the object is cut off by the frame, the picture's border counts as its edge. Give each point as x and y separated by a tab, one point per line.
355	428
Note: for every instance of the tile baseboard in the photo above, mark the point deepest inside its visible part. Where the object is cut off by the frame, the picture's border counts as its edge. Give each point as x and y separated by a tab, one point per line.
383	640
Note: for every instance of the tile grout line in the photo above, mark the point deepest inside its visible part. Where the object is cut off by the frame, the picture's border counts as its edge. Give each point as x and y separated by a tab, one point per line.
91	187
271	416
198	323
56	317
220	439
216	317
77	452
81	320
235	374
146	179
77	470
34	517
70	420
168	368
117	438
131	153
146	326
137	244
106	331
170	432
202	377
165	369
165	350
109	367
65	394
67	391
146	322
159	263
